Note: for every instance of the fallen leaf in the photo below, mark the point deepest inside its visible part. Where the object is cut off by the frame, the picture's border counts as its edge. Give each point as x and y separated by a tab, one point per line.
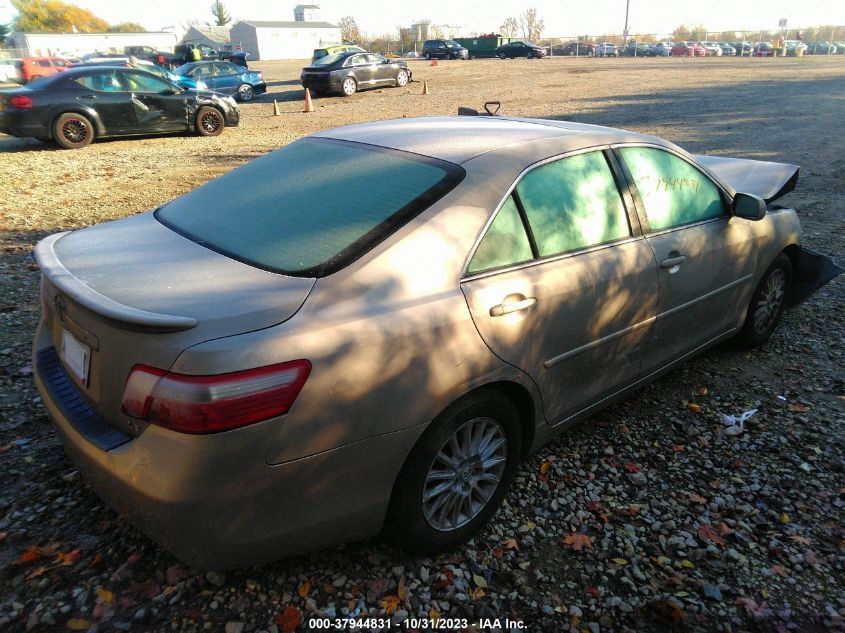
433	614
76	624
304	589
477	593
510	544
38	571
677	448
544	467
802	540
479	581
69	558
577	541
692	406
498	552
715	483
31	554
687	564
779	570
697	498
620	561
702	391
104	594
593	592
3	536
631	467
797	407
390	604
709	534
289	619
810	558
784	518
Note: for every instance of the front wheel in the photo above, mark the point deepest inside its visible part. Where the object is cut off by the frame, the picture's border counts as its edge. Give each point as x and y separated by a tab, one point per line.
349	87
457	475
402	79
502	56
209	121
73	131
529	56
427	55
246	93
767	304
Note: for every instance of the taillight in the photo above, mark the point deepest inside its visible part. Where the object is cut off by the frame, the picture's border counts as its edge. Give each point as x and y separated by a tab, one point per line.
21	101
209	404
161	59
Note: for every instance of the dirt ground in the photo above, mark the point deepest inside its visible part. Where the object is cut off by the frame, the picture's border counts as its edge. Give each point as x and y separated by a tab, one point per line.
778	563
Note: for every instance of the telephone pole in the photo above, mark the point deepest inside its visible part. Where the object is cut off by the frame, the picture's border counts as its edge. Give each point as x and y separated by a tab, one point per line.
625	32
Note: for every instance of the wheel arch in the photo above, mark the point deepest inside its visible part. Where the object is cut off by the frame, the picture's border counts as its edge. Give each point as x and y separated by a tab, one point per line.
99	128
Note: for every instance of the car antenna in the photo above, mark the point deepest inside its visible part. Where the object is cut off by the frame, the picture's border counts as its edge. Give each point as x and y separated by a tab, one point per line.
466	111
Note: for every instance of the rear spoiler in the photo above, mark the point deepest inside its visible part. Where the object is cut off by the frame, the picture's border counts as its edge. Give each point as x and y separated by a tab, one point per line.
53	269
760	178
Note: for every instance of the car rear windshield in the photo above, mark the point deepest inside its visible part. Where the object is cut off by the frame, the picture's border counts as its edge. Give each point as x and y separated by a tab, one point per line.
328	60
312	207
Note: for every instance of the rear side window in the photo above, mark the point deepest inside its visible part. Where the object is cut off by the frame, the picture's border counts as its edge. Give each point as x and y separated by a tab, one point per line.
573	203
312	207
673	192
43	63
505	242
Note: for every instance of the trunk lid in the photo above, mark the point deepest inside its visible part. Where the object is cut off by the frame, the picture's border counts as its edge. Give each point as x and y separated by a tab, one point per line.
134	292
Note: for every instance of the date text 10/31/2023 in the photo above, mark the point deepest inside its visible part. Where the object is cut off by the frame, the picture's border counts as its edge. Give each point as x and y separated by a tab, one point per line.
414	624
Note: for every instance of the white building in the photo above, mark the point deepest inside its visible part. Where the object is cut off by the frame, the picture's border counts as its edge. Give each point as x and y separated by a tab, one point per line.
35	44
217	37
282	40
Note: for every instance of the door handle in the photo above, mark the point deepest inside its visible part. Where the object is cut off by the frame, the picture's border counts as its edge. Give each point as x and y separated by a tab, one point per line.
671	262
507	307
88	97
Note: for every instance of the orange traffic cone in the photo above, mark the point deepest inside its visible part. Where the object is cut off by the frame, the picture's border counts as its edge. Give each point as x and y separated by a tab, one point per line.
433	62
309	105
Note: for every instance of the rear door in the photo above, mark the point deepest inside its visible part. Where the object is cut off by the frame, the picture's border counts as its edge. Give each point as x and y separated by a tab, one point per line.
705	258
156	107
225	77
103	91
563	285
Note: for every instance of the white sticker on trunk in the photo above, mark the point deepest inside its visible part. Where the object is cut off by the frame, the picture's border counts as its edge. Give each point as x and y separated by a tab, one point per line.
76	356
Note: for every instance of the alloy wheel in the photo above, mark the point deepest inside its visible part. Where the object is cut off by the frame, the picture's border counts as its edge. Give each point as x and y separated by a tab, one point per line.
211	121
75	131
771	299
464	474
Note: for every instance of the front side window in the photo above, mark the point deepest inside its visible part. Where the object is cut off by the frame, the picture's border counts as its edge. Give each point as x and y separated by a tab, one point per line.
573	203
311	207
673	191
505	242
142	82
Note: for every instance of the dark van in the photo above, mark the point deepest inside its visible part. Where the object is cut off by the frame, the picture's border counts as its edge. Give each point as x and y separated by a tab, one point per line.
444	49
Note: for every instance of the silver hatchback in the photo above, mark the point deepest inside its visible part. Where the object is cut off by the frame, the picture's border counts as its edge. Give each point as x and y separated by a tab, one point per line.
370	327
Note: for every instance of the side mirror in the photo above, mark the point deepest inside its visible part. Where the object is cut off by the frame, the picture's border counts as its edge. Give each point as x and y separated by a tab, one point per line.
175	90
750	207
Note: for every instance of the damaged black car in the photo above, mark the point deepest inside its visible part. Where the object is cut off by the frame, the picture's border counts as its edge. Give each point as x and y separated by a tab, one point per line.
80	105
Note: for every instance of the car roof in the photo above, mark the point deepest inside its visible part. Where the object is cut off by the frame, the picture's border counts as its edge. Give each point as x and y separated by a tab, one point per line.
470	136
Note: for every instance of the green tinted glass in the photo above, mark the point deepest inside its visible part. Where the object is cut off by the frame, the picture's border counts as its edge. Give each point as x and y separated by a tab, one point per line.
673	191
505	242
310	207
573	203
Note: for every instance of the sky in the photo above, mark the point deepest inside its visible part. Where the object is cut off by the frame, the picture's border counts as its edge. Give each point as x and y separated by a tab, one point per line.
561	17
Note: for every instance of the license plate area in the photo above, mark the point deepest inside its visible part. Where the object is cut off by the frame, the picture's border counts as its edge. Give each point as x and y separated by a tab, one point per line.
76	357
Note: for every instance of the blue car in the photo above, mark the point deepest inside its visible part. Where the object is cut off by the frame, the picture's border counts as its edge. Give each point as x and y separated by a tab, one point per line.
183	82
225	77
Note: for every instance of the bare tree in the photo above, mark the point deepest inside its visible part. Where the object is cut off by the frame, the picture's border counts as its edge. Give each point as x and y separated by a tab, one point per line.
509	28
532	25
349	31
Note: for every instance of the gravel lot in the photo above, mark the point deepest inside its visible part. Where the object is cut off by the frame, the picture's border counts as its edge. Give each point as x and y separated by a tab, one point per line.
653	517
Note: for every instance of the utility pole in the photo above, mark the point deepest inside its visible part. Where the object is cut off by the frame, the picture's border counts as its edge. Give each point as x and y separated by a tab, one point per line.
625	32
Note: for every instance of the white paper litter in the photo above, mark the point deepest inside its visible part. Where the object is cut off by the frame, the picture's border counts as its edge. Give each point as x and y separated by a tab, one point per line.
736	425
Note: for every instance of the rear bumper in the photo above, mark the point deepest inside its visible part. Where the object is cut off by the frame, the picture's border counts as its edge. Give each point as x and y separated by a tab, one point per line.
260	88
15	124
213	501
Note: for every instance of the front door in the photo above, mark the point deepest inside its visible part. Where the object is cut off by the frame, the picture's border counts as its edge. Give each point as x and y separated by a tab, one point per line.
224	78
705	257
363	69
157	107
383	72
563	286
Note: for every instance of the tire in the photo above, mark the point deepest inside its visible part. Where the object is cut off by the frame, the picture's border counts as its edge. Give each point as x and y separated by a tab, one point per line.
767	304
401	79
502	56
427	56
349	87
246	93
487	424
73	131
529	55
209	121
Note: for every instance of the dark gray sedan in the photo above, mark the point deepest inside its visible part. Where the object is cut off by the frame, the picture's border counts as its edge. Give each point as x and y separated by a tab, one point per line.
347	73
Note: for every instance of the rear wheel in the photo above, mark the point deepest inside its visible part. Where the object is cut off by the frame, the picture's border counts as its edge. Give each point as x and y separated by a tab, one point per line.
457	475
210	121
502	56
427	55
73	131
402	78
767	304
246	93
349	87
